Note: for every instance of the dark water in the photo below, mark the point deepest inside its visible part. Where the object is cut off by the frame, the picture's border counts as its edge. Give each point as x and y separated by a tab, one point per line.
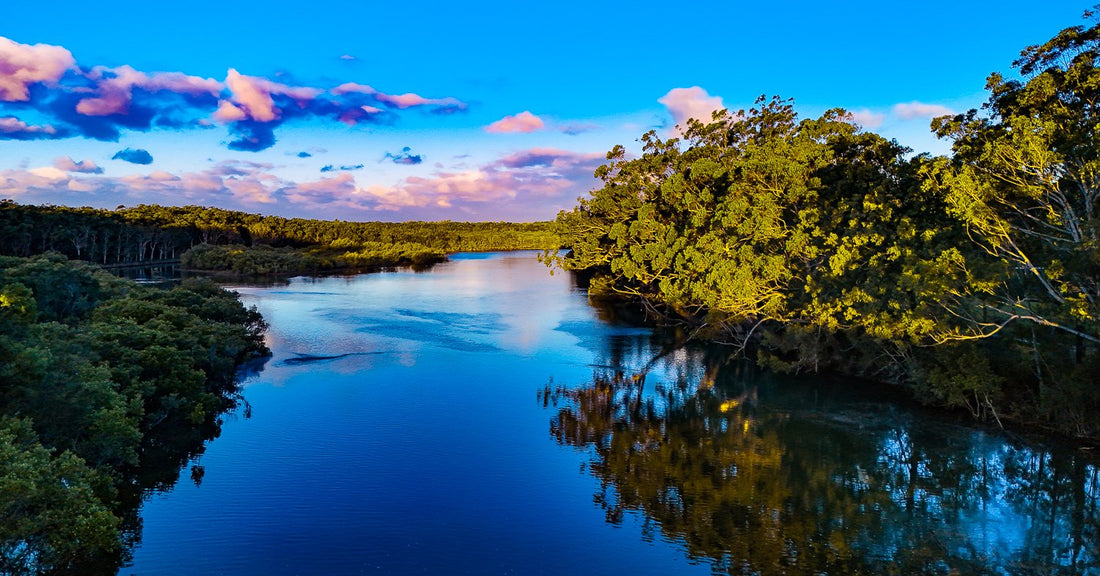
483	418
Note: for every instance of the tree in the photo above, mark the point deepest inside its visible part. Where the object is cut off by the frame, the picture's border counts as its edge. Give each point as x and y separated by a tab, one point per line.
50	516
106	389
761	224
1025	181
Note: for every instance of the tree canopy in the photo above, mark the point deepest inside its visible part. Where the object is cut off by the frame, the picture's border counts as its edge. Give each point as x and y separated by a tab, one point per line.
217	239
104	385
974	278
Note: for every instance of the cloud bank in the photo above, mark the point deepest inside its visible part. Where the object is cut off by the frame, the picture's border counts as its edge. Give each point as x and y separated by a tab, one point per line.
528	185
99	102
67	164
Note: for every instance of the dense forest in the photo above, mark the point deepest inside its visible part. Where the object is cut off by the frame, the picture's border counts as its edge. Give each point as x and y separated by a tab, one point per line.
249	243
107	388
814	244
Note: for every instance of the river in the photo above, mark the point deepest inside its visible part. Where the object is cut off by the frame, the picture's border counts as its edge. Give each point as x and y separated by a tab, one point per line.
483	418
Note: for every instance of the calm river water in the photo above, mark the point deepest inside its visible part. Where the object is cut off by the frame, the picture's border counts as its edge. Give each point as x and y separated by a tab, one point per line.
483	418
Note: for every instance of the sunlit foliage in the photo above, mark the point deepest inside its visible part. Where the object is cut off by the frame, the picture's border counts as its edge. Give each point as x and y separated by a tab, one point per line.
973	278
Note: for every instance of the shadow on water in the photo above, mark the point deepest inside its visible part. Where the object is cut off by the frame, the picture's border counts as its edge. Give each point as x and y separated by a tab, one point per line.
757	474
166	450
301	358
163	273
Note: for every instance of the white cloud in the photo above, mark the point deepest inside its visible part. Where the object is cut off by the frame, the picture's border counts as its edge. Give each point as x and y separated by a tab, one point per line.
913	110
867	118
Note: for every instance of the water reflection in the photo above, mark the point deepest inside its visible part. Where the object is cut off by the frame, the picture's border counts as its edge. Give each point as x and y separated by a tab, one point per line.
394	433
165	451
758	475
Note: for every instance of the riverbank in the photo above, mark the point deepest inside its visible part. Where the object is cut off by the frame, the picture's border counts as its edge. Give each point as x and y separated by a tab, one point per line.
473	417
907	389
109	388
350	257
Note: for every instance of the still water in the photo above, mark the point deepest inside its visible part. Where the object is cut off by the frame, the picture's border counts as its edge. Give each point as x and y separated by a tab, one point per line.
483	418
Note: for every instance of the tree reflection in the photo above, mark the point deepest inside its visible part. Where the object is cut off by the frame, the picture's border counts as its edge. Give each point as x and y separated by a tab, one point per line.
758	477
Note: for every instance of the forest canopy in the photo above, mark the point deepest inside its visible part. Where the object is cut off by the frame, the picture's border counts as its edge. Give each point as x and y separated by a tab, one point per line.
106	388
249	243
972	278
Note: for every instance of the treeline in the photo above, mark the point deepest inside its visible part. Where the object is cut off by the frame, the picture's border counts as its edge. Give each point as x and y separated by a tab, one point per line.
151	233
340	255
106	388
972	278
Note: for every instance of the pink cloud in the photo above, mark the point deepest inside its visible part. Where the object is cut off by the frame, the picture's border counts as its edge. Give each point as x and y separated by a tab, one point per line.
115	92
402	101
14	126
109	101
67	164
524	122
527	185
694	102
915	109
23	64
252	95
19	183
240	185
228	112
532	184
115	88
335	190
182	84
353	88
409	100
251	190
49	173
547	158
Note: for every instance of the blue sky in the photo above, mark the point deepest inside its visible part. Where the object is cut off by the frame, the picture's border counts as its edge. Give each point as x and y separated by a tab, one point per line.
460	111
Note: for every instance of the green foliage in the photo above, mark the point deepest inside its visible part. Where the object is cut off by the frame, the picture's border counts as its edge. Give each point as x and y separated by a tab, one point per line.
1023	180
50	514
17	305
93	371
62	291
250	243
760	225
340	255
825	247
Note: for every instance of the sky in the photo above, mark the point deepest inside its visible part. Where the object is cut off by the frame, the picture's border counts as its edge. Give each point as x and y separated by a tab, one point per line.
474	111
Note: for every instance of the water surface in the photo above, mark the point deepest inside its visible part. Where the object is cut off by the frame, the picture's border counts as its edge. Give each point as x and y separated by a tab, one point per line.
483	418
